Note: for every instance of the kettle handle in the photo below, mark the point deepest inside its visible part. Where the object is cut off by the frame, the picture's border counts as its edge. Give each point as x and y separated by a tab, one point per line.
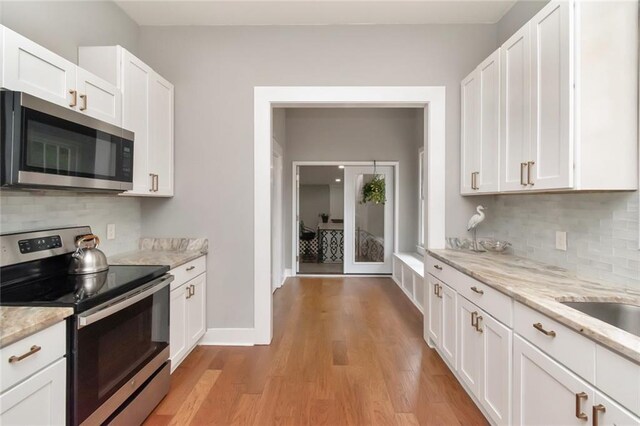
88	237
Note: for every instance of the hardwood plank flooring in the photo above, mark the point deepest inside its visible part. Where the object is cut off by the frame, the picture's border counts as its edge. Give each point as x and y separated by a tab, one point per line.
345	351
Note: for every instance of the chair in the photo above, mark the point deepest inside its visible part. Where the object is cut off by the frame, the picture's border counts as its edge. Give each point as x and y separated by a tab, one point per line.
307	235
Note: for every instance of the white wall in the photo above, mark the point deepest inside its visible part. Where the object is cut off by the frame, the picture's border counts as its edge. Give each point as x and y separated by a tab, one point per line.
215	69
62	27
520	13
336	201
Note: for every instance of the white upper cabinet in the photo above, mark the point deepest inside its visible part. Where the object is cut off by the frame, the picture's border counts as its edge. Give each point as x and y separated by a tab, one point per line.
550	159
480	100
30	68
147	110
515	109
568	106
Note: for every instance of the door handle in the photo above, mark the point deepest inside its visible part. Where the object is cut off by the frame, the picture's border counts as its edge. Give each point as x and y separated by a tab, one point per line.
478	319
32	350
522	181
74	98
84	102
597	409
191	268
152	181
538	326
438	267
193	289
477	290
529	166
579	397
474	319
156	182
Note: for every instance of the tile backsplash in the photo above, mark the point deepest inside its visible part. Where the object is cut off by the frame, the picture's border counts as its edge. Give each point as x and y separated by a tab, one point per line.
27	210
602	231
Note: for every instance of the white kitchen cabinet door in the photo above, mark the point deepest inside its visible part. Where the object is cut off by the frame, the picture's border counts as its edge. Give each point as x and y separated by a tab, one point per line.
488	177
136	86
98	98
470	132
39	400
495	377
30	68
551	150
178	344
161	134
470	345
196	306
435	310
515	105
605	412
546	393
448	341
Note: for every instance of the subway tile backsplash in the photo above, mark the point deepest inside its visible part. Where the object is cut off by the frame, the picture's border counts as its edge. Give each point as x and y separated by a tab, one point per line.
602	231
27	210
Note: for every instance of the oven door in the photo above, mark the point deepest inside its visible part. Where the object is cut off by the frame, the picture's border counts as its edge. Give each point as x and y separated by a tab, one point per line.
51	146
116	348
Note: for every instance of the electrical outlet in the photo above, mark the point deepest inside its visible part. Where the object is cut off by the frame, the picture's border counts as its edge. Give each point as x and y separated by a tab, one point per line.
111	231
561	240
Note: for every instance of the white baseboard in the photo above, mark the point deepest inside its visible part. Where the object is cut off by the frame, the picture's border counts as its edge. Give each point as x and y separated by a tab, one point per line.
288	273
229	337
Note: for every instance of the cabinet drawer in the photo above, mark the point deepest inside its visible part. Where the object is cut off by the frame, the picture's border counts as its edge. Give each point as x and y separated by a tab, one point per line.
188	271
52	344
576	352
497	304
619	378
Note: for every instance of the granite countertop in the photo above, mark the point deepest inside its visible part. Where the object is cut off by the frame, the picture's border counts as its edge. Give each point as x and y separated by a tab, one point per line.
172	252
542	287
19	322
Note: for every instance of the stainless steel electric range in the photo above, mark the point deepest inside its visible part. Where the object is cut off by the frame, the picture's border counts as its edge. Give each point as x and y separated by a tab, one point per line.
118	337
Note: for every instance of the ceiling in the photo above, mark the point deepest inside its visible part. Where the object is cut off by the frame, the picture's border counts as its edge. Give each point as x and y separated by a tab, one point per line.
314	12
321	175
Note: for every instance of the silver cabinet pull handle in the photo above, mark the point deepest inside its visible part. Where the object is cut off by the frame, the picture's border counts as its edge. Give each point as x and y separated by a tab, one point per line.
529	167
35	348
478	319
522	181
188	292
152	181
477	290
438	267
156	182
191	268
193	290
474	319
538	326
74	98
84	102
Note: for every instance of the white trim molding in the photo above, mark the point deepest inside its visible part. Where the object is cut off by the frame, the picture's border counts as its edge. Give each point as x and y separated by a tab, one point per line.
432	99
228	337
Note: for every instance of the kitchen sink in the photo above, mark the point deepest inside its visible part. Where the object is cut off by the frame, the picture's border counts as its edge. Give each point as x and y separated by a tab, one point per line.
621	315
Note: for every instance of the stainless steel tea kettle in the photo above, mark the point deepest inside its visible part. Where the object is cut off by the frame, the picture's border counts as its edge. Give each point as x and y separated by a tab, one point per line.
88	260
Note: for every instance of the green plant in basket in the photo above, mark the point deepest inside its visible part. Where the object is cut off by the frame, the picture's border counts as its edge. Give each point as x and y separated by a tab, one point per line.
374	191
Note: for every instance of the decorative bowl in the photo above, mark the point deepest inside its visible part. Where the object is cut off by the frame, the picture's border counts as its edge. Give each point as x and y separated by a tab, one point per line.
495	246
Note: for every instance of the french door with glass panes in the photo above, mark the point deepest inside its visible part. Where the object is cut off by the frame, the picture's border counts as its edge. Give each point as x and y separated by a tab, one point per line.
368	226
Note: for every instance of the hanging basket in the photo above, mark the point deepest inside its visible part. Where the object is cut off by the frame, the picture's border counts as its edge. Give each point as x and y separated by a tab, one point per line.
374	191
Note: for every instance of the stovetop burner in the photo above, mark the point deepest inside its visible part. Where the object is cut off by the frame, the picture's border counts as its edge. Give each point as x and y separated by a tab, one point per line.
81	292
34	272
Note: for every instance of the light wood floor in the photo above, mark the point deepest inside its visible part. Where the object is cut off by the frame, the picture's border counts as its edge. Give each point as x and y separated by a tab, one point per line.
346	351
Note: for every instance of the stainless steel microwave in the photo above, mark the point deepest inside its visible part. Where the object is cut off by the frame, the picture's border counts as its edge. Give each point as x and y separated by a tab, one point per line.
44	145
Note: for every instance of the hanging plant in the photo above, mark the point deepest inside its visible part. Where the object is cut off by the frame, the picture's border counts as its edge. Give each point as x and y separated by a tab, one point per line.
374	191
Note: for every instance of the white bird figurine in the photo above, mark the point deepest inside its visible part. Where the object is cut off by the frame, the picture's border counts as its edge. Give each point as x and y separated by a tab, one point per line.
473	224
476	218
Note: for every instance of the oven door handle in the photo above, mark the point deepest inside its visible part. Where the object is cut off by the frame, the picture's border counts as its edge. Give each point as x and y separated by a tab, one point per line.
128	300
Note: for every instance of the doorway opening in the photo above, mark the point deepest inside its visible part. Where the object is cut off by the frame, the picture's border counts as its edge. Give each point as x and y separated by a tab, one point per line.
336	229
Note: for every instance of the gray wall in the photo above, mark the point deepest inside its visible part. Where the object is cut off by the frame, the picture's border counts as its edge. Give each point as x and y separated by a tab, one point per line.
215	69
517	16
314	199
62	26
350	134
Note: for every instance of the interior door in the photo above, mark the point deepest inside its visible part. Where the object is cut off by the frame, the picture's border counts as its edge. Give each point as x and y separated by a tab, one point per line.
368	226
296	218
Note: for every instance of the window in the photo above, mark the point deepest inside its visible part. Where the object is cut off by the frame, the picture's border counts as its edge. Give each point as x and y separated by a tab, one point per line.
421	201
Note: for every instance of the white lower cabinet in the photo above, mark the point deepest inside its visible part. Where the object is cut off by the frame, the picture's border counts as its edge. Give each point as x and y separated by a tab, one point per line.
39	400
187	311
605	412
546	393
484	359
442	319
